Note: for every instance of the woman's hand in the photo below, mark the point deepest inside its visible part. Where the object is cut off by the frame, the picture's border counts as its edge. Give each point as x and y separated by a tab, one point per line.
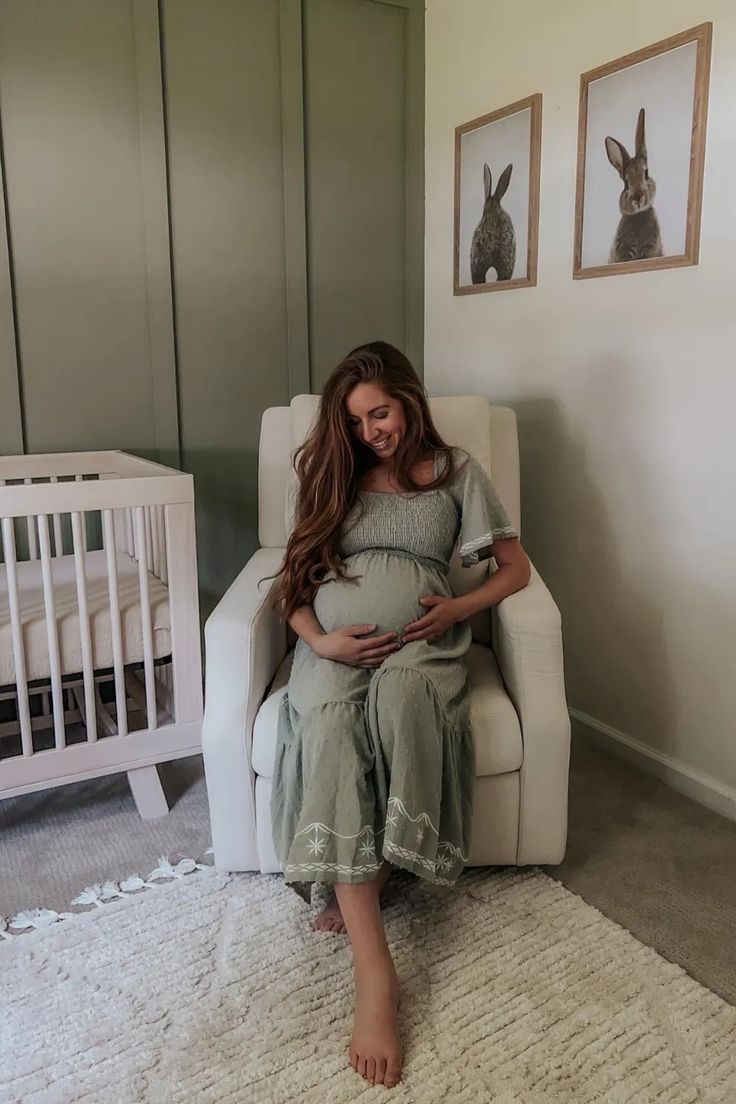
346	646
445	611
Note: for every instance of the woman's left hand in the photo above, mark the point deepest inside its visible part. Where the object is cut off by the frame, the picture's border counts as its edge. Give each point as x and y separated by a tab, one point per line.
444	612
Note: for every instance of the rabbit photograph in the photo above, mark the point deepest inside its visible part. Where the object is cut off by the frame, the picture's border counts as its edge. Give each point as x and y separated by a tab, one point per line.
497	199
640	158
638	234
494	241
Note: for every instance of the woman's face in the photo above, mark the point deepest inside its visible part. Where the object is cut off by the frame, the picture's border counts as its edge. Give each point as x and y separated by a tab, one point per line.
375	419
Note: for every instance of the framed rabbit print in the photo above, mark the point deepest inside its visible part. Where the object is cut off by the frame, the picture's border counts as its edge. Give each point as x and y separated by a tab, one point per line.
641	152
497	160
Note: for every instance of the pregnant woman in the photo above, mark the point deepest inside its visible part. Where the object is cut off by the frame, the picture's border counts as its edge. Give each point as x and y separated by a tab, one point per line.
375	761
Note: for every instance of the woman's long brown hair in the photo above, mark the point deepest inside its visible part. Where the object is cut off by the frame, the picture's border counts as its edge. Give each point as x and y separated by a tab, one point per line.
331	462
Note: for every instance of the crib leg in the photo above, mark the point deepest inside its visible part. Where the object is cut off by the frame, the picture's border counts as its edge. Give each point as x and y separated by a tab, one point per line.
148	793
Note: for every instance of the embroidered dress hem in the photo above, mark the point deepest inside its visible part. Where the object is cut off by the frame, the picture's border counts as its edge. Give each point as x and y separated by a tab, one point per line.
404	795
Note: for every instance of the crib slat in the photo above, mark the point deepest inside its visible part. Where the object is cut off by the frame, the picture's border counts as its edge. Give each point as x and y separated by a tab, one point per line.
149	535
80	479
164	564
58	540
155	533
129	530
32	545
51	631
108	529
78	545
19	655
141	553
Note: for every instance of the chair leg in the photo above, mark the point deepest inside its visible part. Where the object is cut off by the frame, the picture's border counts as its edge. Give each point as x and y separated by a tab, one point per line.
148	793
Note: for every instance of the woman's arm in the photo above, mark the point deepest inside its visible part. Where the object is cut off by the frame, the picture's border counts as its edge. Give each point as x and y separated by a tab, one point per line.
304	622
514	572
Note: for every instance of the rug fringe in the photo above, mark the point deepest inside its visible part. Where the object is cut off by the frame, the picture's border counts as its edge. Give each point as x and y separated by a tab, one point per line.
99	894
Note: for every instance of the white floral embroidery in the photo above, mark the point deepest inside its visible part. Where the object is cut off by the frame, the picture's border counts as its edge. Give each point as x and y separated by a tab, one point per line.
316	845
331	868
449	858
423	818
318	826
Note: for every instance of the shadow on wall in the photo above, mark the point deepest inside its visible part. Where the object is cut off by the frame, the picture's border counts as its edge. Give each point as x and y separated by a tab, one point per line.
617	666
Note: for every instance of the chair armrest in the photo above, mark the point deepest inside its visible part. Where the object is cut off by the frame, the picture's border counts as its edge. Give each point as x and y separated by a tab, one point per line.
245	641
527	643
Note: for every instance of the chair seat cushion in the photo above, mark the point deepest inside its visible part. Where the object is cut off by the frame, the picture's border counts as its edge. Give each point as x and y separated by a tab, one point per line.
496	729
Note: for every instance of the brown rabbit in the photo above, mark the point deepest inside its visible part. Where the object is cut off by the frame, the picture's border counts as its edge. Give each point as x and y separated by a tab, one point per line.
494	240
638	235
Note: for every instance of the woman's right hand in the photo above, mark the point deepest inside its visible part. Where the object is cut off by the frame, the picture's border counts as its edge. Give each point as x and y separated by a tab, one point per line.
350	645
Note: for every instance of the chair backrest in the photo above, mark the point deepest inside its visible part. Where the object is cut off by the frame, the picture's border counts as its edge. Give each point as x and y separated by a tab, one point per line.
487	432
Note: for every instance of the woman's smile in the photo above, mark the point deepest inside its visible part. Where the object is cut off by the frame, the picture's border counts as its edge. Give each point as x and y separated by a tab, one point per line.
381	444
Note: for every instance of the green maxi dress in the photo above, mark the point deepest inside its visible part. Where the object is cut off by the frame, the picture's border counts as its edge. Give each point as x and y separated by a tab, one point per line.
379	762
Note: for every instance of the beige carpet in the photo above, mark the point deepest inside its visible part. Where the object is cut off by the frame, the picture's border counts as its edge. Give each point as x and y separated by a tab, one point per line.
212	988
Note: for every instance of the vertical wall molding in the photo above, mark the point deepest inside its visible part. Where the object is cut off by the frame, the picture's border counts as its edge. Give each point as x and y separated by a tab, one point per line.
414	178
414	185
154	183
12	433
414	75
295	203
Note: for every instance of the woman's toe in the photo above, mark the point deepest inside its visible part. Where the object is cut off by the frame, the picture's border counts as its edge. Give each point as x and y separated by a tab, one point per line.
393	1074
380	1071
370	1070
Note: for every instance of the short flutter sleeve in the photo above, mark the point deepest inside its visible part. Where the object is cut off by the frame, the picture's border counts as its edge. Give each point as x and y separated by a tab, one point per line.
483	518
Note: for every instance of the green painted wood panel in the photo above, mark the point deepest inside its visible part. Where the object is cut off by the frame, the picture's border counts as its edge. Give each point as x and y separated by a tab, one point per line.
222	76
72	153
11	420
355	123
208	202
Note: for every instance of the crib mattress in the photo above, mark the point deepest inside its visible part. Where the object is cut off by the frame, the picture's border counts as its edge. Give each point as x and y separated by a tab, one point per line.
33	616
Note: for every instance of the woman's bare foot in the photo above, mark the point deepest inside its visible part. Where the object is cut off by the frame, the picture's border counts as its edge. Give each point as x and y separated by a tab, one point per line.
375	1050
330	919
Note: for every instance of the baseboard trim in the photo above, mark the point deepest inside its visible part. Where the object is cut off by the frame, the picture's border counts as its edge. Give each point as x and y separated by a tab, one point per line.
702	788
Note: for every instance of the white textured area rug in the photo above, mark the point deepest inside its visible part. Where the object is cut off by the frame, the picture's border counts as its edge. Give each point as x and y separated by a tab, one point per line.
214	988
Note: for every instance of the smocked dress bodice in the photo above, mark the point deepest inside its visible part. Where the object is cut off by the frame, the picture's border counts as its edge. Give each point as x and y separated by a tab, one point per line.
427	524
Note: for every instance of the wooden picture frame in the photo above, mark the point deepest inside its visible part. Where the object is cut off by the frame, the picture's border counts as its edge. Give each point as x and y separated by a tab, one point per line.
637	136
502	228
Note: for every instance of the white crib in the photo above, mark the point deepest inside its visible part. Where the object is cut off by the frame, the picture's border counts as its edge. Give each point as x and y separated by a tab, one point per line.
100	659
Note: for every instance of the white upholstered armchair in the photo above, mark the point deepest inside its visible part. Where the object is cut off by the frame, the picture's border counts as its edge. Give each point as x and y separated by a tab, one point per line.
519	714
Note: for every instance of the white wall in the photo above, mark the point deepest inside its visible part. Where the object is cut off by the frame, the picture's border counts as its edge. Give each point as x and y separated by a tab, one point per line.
624	386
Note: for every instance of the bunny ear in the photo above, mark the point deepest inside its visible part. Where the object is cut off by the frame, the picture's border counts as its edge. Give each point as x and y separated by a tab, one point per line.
641	146
618	156
487	180
503	182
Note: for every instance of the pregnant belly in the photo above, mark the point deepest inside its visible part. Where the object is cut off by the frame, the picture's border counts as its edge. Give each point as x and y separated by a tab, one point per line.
386	594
